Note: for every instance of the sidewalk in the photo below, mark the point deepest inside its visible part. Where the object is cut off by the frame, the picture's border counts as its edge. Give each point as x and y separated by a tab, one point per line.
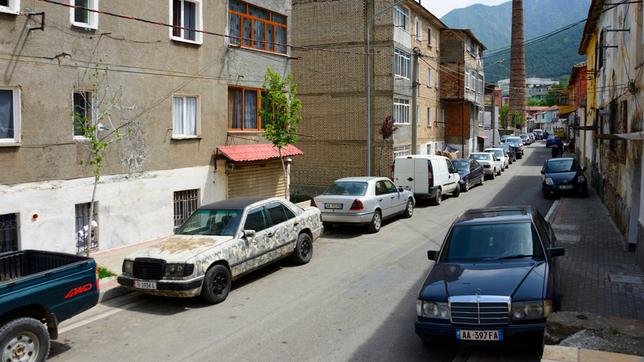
597	274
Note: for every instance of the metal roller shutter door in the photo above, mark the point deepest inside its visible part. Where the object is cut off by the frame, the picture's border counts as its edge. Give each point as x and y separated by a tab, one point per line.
265	179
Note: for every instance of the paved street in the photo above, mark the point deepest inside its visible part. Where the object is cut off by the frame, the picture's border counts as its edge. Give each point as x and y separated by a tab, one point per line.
354	301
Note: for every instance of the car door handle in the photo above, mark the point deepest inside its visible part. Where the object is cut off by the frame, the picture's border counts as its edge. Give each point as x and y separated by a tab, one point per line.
393	197
270	235
296	223
380	200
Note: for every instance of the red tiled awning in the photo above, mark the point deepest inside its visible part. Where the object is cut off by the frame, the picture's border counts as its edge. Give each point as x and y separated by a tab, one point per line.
257	152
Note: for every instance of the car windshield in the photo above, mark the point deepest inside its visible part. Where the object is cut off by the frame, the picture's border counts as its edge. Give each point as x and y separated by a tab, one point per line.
556	166
497	153
212	222
492	242
480	156
347	188
463	166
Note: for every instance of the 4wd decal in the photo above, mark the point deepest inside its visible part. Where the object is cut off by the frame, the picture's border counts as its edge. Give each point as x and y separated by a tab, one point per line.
79	290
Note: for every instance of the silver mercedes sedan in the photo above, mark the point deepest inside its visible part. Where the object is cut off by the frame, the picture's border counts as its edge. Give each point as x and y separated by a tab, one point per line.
364	200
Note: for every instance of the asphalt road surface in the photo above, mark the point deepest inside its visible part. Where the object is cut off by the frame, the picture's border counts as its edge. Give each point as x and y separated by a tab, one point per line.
355	300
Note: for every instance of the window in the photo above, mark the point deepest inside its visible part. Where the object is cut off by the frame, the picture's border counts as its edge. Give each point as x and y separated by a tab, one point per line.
402	151
401	111
256	220
276	213
185	203
83	226
9	116
80	14
10	6
186	18
185	115
429	77
244	105
347	188
401	17
429	37
402	63
430	117
381	188
254	27
391	188
8	231
419	30
83	112
429	148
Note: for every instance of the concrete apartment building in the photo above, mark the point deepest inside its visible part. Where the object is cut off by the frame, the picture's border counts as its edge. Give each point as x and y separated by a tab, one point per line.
462	89
331	72
186	103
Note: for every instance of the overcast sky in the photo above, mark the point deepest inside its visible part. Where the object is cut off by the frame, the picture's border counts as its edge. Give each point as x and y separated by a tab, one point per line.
442	7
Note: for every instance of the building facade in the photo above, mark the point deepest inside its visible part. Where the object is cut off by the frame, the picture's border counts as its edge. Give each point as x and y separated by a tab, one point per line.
462	88
331	72
174	94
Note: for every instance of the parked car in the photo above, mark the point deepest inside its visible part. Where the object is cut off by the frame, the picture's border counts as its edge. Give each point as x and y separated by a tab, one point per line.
471	173
427	176
221	242
491	168
525	139
533	138
499	155
538	133
364	200
504	138
551	141
40	289
495	280
510	151
517	143
563	175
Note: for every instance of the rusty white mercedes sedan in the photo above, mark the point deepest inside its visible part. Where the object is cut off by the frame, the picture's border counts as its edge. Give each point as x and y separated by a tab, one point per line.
221	242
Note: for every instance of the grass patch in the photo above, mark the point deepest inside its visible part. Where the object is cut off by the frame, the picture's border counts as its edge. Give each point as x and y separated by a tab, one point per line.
103	272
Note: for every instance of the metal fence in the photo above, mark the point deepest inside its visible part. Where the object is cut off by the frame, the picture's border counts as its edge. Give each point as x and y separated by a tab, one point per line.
185	203
8	232
83	226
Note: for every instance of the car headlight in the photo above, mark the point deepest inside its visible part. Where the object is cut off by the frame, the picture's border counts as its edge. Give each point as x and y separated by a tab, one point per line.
581	179
549	181
128	267
537	309
178	270
432	309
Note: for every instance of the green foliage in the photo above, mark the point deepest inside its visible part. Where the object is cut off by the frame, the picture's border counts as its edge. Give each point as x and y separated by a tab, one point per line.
503	115
518	120
534	102
554	94
280	109
103	272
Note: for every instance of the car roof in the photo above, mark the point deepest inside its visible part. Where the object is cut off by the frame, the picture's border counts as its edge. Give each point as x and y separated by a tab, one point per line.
235	203
480	153
362	179
492	215
560	159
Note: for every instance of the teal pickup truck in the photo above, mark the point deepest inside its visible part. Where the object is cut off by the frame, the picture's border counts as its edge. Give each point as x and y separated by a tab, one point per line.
38	290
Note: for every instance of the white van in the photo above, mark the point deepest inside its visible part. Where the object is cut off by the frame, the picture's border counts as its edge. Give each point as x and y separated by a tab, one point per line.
427	176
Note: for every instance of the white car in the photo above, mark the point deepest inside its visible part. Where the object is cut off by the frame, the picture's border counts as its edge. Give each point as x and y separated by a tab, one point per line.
499	154
491	167
364	200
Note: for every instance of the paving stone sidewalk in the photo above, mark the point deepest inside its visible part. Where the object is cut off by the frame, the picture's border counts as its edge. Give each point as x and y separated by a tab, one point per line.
598	275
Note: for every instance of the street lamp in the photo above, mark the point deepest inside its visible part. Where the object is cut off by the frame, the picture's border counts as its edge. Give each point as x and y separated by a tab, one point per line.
370	21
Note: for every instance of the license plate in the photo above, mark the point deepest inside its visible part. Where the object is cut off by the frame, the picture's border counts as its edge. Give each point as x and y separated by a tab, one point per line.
468	335
334	206
145	285
565	187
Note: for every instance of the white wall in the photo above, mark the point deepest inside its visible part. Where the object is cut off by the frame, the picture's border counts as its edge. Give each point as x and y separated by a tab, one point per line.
131	208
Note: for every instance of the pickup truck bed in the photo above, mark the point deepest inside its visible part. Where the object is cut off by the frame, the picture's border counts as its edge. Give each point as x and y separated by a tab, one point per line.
39	289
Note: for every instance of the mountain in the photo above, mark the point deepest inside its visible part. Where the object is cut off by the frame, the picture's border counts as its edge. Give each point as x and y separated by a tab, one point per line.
551	58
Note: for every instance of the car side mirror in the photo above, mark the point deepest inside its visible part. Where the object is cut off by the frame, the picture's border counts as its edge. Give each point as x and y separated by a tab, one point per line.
401	189
554	252
432	254
249	234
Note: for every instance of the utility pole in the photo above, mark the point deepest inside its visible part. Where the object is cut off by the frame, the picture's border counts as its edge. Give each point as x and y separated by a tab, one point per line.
414	99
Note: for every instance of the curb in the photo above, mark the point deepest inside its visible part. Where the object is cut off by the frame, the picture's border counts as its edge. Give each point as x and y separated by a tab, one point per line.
110	289
550	216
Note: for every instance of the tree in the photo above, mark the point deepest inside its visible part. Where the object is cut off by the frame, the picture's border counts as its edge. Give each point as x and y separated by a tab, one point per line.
281	111
503	116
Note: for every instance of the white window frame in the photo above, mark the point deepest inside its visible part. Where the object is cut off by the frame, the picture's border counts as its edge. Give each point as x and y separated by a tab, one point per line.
419	29
17	121
13	8
430	118
401	111
402	63
177	136
198	18
92	16
429	77
94	112
402	150
401	17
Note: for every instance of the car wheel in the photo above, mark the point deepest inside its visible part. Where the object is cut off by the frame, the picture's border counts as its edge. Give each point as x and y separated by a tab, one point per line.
493	176
409	209
499	172
456	192
216	284
438	197
303	249
465	187
482	180
376	222
24	339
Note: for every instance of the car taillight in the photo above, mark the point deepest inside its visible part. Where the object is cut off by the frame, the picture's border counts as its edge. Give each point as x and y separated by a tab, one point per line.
357	205
313	203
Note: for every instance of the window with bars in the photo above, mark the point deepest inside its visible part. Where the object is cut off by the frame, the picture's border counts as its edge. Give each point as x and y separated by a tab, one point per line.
85	226
9	232
401	17
186	18
402	63
185	203
254	27
401	111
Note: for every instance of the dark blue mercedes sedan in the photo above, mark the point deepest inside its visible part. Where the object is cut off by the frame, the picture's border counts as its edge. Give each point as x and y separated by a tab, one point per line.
563	176
495	279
